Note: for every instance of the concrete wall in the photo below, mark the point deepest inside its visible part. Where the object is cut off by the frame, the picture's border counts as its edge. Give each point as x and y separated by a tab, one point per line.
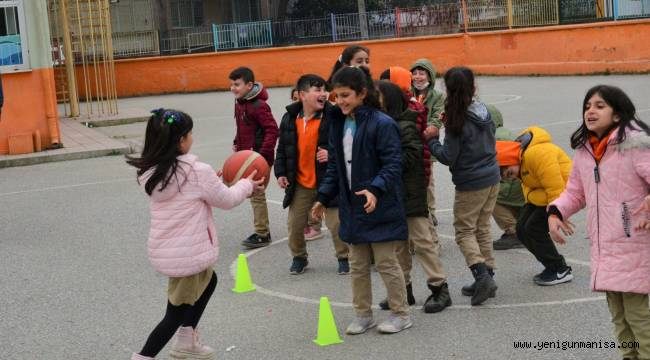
29	116
616	47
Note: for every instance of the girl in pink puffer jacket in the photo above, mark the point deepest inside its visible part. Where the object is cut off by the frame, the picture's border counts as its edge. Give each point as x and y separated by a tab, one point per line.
611	178
182	240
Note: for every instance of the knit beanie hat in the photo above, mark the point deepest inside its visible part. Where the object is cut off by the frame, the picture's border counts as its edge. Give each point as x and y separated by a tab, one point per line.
508	153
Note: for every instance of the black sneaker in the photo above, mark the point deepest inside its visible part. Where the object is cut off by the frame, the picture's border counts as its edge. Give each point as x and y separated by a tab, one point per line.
344	267
257	241
551	277
410	299
506	242
298	265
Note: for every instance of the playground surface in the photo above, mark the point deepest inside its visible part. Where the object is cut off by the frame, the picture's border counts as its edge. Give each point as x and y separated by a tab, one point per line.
77	283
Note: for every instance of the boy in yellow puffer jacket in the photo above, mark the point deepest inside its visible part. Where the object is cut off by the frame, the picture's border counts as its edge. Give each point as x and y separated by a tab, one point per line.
543	168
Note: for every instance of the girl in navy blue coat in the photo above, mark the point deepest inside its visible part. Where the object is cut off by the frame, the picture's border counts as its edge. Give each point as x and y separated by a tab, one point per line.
365	170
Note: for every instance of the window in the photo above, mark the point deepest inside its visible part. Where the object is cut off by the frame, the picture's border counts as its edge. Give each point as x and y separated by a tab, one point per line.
13	39
186	13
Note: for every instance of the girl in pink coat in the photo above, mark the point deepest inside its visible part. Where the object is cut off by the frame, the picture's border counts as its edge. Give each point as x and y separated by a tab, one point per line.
182	240
611	178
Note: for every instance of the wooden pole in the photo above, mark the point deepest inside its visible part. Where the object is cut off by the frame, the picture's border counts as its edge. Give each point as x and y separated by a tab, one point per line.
69	60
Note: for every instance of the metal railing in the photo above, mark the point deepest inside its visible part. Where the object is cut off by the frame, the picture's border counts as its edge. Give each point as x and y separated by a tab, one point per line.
136	43
299	32
243	35
443	18
186	40
632	9
428	20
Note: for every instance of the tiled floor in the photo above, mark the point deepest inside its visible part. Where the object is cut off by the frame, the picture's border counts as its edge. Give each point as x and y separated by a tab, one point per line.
79	142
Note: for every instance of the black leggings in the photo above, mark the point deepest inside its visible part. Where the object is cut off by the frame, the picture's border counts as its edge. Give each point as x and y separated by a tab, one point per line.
176	316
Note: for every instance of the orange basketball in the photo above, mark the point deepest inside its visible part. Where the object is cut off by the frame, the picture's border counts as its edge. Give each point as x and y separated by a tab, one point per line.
242	163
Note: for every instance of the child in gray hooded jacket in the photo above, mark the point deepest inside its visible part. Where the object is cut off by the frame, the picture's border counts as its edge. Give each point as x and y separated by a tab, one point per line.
469	151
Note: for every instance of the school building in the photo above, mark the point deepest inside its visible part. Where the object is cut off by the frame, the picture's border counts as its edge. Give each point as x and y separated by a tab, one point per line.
29	116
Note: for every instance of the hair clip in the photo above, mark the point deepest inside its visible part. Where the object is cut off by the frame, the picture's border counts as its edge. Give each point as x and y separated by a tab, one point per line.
171	117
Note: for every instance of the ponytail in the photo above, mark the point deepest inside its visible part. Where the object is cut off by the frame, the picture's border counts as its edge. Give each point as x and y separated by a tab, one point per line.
459	82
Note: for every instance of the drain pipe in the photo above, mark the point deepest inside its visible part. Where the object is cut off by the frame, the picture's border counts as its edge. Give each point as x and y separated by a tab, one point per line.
51	113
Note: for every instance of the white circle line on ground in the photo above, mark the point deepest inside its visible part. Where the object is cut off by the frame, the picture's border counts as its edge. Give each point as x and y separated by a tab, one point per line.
304	300
513	98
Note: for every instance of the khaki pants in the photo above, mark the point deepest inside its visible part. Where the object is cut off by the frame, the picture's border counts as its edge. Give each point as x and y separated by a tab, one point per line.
472	211
388	267
631	318
431	197
260	214
506	218
423	241
299	210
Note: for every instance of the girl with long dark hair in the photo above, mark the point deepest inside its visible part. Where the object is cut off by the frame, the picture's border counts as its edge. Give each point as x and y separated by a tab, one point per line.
611	178
469	151
364	170
182	242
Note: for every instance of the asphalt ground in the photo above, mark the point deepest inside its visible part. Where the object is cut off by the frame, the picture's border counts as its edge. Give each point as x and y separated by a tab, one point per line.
76	282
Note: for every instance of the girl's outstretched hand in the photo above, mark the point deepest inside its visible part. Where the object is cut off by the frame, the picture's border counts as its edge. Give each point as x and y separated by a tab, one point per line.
371	200
317	211
642	225
644	207
258	185
558	229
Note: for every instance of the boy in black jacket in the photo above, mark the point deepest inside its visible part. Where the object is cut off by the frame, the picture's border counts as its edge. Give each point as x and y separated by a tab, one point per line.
300	164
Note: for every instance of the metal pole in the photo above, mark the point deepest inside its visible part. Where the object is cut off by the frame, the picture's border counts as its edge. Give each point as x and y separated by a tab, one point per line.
69	61
464	4
509	4
363	18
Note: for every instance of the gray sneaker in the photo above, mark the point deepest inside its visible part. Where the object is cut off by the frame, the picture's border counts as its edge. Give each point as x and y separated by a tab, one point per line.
395	324
360	325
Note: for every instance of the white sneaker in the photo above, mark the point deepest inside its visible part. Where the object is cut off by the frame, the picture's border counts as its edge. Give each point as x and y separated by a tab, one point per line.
395	324
360	325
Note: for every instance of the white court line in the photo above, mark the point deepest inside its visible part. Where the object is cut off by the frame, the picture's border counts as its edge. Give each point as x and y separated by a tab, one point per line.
69	186
304	300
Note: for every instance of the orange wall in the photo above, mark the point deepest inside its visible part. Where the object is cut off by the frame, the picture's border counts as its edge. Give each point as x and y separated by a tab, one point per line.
619	47
29	101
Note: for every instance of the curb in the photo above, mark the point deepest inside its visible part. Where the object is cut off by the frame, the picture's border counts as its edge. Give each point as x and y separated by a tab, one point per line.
47	156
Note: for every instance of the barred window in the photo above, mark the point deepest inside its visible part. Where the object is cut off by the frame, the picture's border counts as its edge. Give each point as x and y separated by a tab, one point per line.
13	40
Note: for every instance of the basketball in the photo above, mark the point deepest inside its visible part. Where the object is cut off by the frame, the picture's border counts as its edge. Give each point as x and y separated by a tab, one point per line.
241	164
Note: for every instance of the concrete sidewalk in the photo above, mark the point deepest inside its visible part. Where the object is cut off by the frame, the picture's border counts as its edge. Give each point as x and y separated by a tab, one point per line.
79	141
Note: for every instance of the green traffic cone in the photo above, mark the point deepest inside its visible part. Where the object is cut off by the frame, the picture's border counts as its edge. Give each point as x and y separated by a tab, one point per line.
327	332
243	282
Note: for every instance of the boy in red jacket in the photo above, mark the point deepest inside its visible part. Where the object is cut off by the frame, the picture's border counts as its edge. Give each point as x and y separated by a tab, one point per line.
257	130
